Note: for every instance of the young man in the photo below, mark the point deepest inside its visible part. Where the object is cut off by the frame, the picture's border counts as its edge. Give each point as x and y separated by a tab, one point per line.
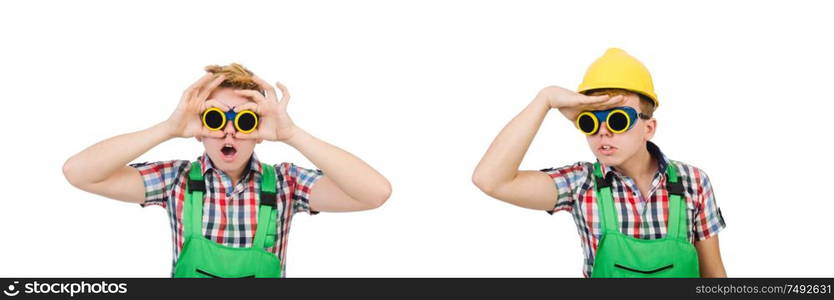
232	200
638	213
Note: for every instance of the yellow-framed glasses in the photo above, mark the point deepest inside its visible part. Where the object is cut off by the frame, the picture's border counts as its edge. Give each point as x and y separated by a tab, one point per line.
617	120
245	121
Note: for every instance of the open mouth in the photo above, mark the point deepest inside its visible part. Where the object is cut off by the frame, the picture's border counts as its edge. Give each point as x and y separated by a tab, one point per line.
607	149
228	151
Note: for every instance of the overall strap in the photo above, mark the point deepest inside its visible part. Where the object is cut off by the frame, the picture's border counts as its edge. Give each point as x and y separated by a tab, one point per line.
676	227
267	207
193	205
606	201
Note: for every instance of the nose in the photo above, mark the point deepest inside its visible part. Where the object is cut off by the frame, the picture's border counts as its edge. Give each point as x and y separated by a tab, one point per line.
603	129
229	130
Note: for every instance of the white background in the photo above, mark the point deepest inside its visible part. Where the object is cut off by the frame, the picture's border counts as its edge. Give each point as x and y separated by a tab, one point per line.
418	90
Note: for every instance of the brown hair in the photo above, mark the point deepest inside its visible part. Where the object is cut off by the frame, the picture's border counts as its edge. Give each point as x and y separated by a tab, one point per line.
646	103
237	76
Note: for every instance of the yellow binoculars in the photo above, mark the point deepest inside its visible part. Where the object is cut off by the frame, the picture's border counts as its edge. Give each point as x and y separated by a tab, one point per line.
215	119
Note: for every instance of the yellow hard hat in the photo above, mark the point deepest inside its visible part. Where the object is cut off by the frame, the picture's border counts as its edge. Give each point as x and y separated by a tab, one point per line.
618	69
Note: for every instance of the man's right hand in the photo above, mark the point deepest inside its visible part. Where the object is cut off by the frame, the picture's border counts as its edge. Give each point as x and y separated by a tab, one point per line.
102	168
571	103
186	119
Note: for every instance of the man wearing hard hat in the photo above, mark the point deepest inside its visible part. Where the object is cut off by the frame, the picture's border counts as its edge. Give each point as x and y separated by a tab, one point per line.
638	213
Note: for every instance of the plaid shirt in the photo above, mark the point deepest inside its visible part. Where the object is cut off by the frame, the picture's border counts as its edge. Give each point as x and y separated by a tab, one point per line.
230	211
639	217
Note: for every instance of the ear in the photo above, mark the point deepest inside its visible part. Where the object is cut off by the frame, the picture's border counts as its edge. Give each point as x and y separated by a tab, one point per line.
651	128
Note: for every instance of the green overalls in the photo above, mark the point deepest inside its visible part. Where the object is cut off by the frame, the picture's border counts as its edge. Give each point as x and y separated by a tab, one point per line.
203	258
620	255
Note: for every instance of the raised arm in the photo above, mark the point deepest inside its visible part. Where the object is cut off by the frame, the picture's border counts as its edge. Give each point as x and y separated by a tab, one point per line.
348	184
497	174
102	168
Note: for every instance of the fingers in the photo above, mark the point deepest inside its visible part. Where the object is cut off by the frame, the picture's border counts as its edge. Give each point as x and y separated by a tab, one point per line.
218	134
614	101
207	89
268	90
250	106
597	98
194	88
214	103
200	82
591	100
285	94
604	101
254	95
247	136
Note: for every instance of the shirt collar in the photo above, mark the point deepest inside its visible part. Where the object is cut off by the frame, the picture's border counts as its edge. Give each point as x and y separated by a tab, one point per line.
654	151
206	164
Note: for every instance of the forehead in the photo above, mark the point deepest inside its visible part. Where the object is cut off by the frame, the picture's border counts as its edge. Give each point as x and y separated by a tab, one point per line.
226	95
